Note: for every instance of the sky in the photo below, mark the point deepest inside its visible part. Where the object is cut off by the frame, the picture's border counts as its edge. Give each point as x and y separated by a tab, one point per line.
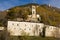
6	4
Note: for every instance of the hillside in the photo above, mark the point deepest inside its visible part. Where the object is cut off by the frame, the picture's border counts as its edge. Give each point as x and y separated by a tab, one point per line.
49	15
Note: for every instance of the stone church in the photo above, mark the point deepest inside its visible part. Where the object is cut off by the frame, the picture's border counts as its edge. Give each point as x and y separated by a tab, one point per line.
27	28
34	16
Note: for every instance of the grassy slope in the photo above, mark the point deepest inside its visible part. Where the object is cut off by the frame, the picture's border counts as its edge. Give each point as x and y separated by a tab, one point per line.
32	38
49	15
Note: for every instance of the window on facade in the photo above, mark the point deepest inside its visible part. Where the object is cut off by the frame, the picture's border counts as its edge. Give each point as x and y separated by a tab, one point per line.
32	25
33	7
20	28
39	30
17	24
12	23
29	29
25	29
33	12
25	24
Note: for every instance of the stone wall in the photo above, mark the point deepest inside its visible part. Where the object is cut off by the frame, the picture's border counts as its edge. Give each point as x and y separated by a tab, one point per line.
52	31
24	28
32	29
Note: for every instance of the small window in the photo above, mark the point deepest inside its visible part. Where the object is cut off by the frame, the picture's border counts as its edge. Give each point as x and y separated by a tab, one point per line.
32	25
29	29
20	28
25	25
12	23
14	28
33	7
25	29
39	30
17	24
33	12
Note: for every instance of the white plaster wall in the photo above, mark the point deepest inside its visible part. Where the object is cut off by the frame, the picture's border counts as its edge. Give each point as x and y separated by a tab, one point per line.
51	31
18	28
31	29
12	28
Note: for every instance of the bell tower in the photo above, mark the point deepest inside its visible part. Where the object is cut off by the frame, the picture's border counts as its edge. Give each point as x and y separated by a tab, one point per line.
33	9
34	15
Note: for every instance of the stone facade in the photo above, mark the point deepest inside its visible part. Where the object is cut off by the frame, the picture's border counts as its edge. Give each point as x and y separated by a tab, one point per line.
32	29
52	31
24	28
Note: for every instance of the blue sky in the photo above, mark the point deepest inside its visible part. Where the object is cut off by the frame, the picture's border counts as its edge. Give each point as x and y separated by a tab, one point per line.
6	4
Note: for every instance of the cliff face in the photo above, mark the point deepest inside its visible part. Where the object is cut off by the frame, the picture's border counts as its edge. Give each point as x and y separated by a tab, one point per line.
49	15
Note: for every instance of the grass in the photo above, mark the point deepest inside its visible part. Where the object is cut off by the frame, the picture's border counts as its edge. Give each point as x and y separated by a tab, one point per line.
31	38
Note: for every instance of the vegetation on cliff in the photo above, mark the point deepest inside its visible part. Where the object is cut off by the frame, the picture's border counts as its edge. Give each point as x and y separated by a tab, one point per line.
49	15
